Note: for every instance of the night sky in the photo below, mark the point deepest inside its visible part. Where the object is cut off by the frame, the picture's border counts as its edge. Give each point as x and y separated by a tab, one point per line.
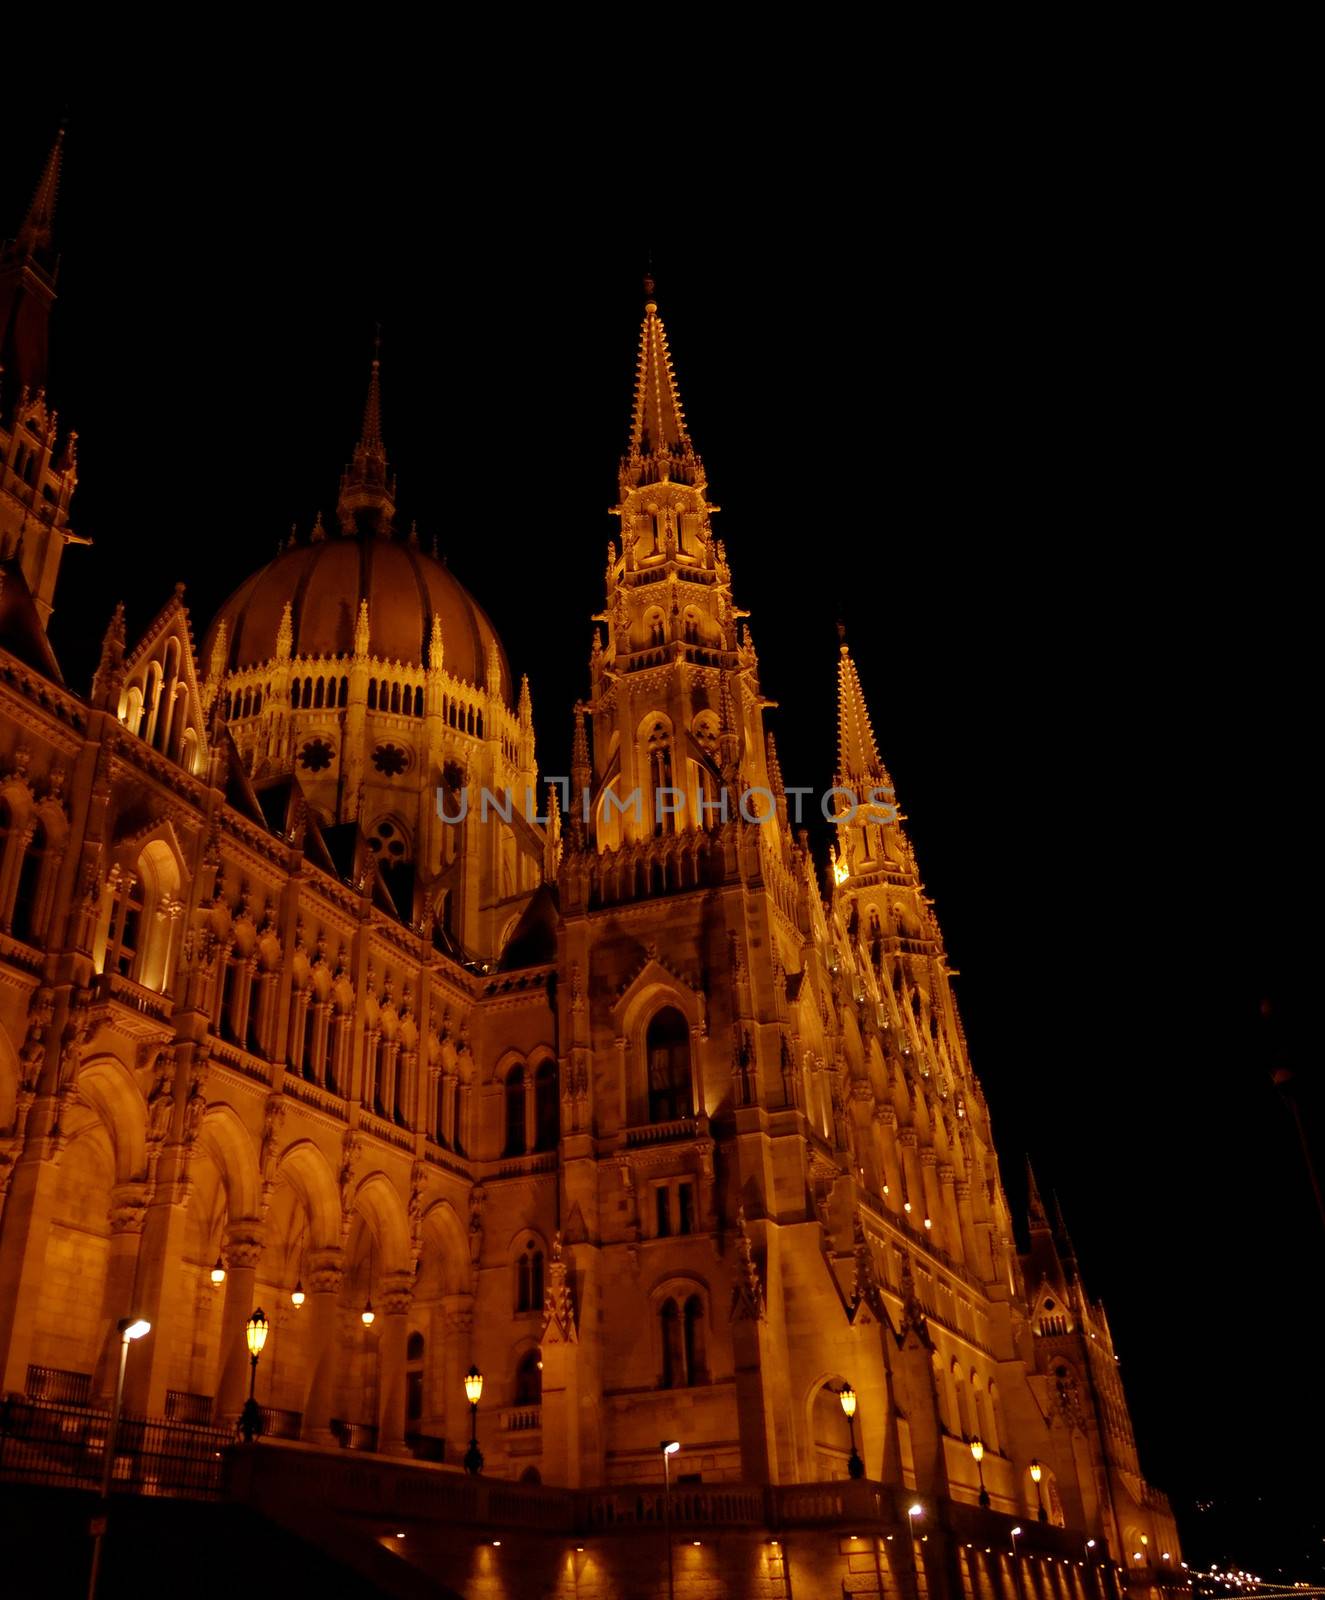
1005	405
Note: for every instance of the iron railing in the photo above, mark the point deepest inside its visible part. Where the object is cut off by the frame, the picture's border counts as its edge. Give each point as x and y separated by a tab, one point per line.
65	1446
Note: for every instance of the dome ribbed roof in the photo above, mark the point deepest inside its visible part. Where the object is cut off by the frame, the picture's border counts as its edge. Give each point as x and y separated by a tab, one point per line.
325	581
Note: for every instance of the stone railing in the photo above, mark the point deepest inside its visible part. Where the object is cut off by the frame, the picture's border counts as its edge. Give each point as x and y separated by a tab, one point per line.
662	1132
521	1419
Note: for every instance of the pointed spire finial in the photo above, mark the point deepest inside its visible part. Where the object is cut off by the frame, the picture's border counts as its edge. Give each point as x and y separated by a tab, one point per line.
361	630
1039	1217
110	668
660	447
285	633
36	235
367	500
370	436
435	649
857	753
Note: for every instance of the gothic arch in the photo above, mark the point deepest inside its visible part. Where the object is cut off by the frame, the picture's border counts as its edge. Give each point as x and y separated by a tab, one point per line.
309	1174
655	989
443	1230
108	1088
826	1426
381	1207
226	1140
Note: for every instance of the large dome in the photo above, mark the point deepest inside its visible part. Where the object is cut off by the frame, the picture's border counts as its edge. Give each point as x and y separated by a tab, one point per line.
324	582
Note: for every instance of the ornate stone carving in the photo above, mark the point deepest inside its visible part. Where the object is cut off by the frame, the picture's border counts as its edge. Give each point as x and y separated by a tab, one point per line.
242	1243
559	1314
128	1207
748	1288
326	1269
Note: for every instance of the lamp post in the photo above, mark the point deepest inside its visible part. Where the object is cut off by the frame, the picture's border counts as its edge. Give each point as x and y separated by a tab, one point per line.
473	1462
913	1515
128	1328
978	1452
847	1395
1037	1472
669	1447
250	1418
1015	1534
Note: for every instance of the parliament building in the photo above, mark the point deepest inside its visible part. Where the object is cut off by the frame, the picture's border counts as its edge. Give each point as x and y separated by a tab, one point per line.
313	998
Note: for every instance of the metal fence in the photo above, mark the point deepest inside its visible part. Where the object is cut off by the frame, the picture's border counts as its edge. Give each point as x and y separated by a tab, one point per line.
65	1446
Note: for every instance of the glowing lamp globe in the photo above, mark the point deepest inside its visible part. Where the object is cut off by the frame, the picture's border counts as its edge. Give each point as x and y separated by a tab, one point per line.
848	1399
977	1449
473	1385
255	1331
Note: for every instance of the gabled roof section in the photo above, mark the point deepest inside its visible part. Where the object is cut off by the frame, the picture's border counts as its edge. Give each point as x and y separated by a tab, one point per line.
161	697
21	632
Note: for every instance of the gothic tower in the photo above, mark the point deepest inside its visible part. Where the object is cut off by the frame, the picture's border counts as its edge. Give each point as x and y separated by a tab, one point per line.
38	472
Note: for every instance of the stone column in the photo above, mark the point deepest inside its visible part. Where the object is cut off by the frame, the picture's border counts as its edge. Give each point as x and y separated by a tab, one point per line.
326	1270
128	1213
397	1297
953	1238
458	1323
241	1250
26	1227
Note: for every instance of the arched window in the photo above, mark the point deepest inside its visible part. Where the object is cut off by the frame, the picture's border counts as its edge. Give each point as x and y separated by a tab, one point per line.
529	1379
660	774
831	1432
667	1049
529	1279
27	919
372	694
673	1347
516	1143
693	1317
547	1111
414	1352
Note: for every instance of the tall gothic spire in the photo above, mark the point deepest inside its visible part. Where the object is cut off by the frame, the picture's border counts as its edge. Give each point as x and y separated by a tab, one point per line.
36	237
27	288
857	753
660	448
367	502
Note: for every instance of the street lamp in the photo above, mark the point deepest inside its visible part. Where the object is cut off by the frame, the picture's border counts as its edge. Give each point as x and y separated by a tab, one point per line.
1037	1472
128	1328
218	1272
855	1466
669	1447
913	1515
250	1418
978	1452
473	1462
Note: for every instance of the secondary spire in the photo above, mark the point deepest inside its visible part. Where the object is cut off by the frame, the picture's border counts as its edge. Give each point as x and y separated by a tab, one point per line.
27	289
36	237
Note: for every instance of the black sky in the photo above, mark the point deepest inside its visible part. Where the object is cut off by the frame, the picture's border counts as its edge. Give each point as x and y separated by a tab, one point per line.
1011	406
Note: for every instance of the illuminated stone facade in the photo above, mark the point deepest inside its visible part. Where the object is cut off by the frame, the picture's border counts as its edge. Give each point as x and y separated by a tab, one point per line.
623	1104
